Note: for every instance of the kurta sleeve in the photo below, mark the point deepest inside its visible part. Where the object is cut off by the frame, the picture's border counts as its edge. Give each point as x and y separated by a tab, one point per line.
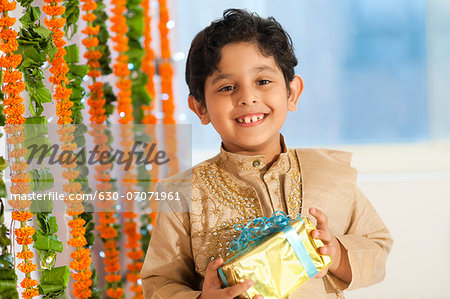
368	242
168	270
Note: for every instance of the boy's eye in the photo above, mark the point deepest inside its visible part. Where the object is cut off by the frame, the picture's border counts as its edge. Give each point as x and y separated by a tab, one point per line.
263	82
227	88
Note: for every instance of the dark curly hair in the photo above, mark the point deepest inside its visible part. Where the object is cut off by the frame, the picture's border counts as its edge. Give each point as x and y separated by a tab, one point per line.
237	25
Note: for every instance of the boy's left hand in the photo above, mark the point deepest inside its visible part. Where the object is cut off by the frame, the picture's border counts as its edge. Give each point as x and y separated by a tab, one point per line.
332	246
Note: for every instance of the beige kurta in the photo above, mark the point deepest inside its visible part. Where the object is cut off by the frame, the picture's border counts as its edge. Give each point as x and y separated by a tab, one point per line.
231	188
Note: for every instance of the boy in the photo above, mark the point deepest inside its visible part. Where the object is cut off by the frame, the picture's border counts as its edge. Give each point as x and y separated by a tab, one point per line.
240	72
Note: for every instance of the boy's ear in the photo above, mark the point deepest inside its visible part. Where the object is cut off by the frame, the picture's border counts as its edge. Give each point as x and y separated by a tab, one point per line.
199	109
296	90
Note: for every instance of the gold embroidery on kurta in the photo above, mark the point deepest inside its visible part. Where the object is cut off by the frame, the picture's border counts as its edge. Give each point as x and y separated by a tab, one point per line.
227	194
228	204
294	201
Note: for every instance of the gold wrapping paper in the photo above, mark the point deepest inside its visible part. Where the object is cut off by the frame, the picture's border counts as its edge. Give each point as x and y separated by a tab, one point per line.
273	265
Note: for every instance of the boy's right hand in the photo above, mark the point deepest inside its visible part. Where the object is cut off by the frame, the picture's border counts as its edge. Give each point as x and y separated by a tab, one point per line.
211	285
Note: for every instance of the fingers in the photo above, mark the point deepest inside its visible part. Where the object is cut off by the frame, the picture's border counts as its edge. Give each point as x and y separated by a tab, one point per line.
322	219
327	250
258	297
323	235
211	276
239	288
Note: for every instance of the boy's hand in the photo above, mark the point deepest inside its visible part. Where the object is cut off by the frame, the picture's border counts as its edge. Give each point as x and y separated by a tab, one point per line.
332	246
211	285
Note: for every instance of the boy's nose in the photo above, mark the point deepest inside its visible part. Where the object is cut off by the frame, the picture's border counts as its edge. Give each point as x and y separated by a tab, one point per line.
246	95
247	101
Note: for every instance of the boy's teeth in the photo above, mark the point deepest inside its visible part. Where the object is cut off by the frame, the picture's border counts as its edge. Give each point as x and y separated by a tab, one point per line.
248	119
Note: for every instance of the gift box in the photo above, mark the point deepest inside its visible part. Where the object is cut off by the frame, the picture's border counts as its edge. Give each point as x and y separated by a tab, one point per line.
277	253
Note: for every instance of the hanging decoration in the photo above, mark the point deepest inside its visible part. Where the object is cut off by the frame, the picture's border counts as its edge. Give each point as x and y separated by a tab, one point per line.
165	68
109	228
150	120
148	62
76	75
96	100
71	15
140	96
167	99
105	59
135	53
59	68
121	70
8	287
35	43
135	69
125	110
14	109
108	232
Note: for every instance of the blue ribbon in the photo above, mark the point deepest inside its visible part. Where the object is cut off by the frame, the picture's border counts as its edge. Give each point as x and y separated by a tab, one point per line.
223	277
258	228
300	251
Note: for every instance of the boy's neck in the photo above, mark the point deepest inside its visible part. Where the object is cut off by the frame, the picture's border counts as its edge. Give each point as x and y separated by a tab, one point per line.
271	151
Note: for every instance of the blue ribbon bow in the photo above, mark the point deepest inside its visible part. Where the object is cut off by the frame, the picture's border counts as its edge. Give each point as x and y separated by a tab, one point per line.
258	228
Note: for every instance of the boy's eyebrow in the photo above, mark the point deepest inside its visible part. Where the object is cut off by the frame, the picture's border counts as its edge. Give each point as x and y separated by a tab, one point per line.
220	77
263	68
257	69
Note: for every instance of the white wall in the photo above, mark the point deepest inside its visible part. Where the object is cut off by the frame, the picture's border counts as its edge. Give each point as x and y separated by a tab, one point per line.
416	212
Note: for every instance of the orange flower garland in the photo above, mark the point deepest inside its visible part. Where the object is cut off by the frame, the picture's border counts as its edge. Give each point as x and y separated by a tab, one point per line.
166	71
81	256
148	67
135	253
98	117
125	110
96	100
14	109
121	70
148	62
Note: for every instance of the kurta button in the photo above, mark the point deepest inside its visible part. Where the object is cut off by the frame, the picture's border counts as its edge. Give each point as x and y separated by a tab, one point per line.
256	163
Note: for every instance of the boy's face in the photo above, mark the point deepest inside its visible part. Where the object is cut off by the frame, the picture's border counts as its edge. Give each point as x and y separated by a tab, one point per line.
247	100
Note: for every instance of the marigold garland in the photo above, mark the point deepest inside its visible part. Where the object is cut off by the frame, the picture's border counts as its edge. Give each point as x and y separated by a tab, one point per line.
165	69
59	69
134	252
12	86
148	66
125	111
96	102
148	62
121	65
166	72
108	232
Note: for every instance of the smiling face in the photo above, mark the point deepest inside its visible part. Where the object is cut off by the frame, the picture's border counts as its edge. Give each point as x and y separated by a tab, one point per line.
247	100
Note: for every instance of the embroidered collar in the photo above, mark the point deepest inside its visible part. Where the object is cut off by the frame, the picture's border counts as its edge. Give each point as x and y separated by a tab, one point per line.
242	165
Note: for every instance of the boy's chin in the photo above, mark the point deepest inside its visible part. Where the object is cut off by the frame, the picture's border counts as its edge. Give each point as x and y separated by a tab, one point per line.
252	144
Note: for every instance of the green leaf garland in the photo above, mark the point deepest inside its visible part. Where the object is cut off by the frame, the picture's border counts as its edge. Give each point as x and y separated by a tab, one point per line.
8	277
139	95
105	60
75	75
71	15
35	45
